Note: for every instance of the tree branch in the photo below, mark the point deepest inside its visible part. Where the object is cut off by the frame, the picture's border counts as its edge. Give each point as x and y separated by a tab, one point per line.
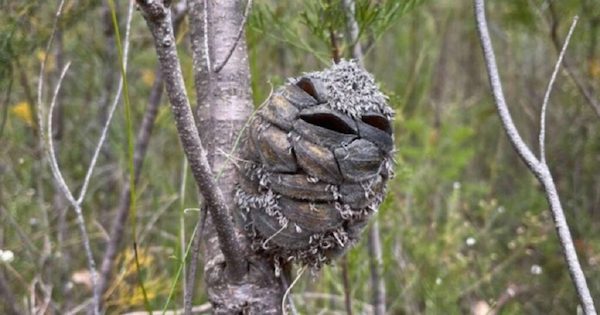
158	19
584	89
67	192
549	90
538	168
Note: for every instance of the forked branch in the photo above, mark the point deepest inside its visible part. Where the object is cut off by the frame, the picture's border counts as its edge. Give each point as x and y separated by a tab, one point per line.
538	167
158	19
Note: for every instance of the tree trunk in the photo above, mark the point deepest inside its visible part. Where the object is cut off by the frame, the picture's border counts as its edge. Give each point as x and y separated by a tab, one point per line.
228	105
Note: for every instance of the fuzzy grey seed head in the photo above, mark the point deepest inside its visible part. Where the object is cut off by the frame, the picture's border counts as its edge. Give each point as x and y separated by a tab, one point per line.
351	90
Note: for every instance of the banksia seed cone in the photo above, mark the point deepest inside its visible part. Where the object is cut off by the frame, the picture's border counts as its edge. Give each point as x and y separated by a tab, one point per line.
317	159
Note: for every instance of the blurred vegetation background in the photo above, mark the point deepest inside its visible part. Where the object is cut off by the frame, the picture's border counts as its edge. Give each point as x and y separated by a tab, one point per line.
464	223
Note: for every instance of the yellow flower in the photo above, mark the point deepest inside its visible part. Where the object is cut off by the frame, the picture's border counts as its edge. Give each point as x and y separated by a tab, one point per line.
22	110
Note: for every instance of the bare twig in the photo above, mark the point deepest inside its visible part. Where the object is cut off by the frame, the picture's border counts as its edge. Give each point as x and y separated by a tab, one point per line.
104	133
158	19
549	90
584	88
238	37
538	168
67	192
40	108
51	155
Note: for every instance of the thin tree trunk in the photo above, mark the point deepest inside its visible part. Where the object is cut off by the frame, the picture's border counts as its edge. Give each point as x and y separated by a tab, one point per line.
227	106
237	281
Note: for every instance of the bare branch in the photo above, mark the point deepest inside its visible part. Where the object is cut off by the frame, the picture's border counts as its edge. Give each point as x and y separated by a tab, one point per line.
40	112
539	169
158	19
584	89
549	90
62	185
237	39
66	191
104	133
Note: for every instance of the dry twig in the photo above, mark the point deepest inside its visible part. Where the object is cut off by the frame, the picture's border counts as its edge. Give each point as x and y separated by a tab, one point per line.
538	167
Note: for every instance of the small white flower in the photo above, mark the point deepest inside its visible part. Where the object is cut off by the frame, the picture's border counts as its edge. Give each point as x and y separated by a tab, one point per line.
456	185
470	241
438	281
501	209
6	256
536	270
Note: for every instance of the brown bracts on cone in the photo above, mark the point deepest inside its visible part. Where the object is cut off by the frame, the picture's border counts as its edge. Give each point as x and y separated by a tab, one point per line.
316	158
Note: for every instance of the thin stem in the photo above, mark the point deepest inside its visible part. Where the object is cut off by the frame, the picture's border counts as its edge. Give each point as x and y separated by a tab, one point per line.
113	107
539	169
584	88
549	90
289	289
40	112
67	192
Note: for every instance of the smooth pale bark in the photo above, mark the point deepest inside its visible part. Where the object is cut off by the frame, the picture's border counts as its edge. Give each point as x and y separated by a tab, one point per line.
537	166
236	280
226	108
